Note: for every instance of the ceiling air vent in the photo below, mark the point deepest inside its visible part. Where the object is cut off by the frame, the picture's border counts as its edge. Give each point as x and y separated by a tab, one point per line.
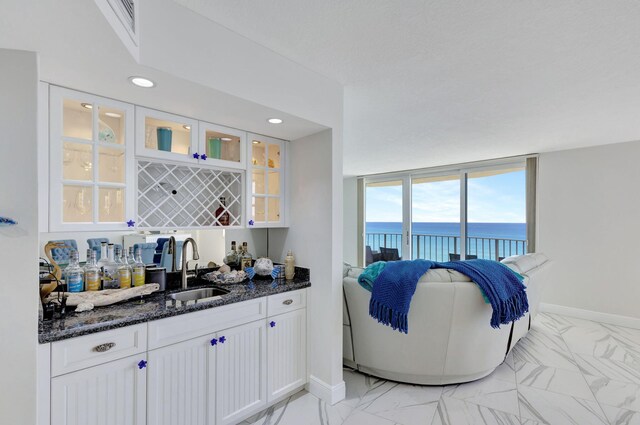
122	15
125	9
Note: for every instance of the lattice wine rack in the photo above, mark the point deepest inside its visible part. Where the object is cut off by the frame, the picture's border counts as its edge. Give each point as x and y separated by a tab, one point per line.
179	196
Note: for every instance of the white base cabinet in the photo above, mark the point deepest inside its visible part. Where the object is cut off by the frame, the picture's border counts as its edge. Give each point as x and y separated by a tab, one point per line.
286	368
112	393
241	372
212	367
181	380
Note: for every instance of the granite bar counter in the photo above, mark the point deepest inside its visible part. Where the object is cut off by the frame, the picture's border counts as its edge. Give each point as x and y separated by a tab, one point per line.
158	306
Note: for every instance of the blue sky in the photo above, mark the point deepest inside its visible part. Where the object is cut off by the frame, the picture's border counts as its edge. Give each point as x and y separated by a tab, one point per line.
495	199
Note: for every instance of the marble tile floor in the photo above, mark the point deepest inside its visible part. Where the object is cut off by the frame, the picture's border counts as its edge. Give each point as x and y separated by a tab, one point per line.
565	371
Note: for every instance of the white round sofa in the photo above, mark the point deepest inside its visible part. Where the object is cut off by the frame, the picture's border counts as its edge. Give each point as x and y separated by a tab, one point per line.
450	339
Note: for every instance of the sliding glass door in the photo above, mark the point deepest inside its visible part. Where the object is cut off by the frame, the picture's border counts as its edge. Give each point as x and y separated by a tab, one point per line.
496	213
435	217
384	220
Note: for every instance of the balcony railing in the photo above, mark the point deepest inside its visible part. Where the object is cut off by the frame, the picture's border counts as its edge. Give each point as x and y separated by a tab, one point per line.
438	247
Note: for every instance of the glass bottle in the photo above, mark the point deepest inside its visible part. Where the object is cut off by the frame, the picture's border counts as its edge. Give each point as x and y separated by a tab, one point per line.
110	271
104	255
73	274
246	259
139	269
131	259
231	258
222	215
124	271
289	266
92	272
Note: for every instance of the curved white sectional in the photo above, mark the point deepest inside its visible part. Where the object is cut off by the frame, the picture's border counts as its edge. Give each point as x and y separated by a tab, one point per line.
450	339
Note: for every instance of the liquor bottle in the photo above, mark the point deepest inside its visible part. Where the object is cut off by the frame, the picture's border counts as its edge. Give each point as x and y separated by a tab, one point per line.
124	271
104	256
222	215
92	272
246	259
110	270
289	266
73	274
139	269
131	259
231	258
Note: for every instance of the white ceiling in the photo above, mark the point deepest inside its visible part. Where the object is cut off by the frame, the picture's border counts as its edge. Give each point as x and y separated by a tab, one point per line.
435	82
78	49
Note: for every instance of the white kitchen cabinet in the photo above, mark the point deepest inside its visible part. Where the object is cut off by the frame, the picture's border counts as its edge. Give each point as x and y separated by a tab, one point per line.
161	135
241	375
222	146
112	393
91	169
181	383
266	177
286	353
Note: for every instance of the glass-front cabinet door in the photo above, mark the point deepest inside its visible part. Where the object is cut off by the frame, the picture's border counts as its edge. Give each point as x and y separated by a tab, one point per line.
166	136
266	181
222	146
91	162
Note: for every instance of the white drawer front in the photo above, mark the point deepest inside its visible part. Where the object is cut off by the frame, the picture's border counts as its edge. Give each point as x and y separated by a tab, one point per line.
91	350
181	328
287	301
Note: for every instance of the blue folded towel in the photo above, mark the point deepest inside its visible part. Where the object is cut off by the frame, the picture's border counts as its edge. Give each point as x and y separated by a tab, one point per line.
395	285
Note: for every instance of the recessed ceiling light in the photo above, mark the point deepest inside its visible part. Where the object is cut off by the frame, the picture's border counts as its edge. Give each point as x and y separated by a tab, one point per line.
186	127
112	114
274	121
142	82
87	105
226	139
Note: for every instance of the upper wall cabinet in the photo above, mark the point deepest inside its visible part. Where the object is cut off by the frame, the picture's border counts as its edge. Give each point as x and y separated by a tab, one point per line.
266	191
91	162
166	136
222	146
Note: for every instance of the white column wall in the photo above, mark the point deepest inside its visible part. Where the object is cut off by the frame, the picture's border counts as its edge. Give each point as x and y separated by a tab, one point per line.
588	212
18	244
315	237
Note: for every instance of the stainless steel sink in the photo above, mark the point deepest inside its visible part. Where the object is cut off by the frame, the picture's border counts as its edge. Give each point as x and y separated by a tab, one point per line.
199	294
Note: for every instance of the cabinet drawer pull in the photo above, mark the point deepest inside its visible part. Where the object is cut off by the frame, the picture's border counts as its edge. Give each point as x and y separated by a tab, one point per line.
104	347
287	302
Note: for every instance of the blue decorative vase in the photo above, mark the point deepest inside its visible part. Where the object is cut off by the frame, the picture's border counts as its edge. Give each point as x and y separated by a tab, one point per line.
215	147
164	139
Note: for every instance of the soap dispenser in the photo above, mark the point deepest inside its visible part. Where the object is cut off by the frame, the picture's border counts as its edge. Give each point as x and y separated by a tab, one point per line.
289	266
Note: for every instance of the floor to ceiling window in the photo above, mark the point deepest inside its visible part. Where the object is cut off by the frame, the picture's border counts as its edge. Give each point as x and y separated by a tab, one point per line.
447	214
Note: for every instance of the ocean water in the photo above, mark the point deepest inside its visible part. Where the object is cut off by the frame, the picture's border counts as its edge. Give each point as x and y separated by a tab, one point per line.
484	230
436	241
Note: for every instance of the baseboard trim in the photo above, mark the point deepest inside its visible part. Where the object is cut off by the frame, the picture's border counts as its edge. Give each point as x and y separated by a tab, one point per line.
330	394
612	319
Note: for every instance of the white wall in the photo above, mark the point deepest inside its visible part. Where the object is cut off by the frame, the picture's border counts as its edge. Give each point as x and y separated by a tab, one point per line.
311	239
350	225
18	245
589	206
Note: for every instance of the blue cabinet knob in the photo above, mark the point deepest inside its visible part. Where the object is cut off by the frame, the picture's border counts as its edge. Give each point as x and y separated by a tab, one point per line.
272	324
203	157
222	339
131	223
142	364
214	341
196	155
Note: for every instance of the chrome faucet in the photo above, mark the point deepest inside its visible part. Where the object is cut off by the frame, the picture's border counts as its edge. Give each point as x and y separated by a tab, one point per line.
171	250
196	256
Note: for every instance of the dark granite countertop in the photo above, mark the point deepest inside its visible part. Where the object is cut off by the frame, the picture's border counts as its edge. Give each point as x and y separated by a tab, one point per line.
158	306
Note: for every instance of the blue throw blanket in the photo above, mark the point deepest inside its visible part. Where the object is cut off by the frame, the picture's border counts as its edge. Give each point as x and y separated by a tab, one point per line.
395	285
